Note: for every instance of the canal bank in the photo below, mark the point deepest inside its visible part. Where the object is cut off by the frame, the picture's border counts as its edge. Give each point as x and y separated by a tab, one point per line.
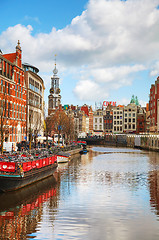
148	142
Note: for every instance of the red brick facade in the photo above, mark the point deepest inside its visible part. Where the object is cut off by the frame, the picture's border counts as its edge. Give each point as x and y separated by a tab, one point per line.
13	96
153	103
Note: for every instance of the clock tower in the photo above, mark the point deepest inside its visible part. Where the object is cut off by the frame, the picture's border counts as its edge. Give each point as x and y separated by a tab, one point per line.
54	97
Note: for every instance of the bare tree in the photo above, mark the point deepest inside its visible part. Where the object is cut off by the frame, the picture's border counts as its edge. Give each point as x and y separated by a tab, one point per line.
3	116
60	123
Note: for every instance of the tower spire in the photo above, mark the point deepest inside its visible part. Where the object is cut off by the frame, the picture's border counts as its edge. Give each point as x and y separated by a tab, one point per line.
55	71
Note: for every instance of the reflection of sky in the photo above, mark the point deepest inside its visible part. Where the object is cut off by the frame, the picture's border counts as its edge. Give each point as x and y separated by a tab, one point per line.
108	198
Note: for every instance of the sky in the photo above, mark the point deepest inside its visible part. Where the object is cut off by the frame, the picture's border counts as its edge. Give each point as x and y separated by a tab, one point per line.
107	50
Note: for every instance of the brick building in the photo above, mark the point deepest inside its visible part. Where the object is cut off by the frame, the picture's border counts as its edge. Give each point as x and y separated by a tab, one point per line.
108	121
12	96
154	106
89	115
141	120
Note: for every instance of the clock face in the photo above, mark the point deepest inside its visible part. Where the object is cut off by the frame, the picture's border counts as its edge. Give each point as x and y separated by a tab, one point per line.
55	71
58	91
51	90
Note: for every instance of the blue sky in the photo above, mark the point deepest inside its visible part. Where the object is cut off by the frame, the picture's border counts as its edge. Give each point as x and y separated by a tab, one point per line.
107	50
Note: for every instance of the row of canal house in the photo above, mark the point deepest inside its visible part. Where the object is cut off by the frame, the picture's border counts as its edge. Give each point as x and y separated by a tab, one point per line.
21	98
121	119
113	120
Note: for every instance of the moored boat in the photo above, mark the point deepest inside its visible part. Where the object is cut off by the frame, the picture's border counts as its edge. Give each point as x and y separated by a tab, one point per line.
84	150
19	171
63	157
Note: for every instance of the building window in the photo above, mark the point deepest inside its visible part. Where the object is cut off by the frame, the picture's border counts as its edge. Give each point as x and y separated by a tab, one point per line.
1	86
5	108
21	112
16	90
19	78
19	91
9	88
5	87
12	110
15	110
9	110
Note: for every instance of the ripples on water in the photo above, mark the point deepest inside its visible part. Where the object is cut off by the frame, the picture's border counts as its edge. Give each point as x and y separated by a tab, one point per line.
107	194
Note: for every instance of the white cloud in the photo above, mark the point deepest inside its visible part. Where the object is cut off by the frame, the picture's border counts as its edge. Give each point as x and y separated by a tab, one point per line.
35	19
155	69
106	45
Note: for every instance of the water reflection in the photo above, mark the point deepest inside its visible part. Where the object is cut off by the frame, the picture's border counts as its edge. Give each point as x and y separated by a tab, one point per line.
109	193
106	196
21	211
154	182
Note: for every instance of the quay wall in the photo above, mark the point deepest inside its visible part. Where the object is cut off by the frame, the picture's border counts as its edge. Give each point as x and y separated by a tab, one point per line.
148	141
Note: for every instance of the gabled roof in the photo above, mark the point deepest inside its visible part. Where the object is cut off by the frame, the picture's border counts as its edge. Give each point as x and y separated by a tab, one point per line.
85	109
10	56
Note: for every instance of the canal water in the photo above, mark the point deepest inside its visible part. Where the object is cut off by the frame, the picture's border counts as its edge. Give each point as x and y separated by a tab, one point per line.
106	194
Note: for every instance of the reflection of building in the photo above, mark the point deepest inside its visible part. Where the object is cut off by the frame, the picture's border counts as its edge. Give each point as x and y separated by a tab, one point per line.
154	182
13	96
35	100
20	215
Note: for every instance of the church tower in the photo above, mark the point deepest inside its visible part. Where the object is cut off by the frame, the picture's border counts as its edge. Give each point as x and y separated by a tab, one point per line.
54	97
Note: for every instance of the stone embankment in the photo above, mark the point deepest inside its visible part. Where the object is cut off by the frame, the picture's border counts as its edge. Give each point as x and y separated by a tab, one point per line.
144	141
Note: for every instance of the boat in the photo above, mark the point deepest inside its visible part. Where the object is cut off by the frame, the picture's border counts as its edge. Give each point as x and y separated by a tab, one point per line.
63	157
84	150
19	171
